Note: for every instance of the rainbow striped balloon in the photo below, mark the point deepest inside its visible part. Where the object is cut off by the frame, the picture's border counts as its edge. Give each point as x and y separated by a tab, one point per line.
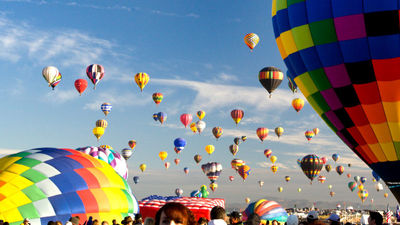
267	210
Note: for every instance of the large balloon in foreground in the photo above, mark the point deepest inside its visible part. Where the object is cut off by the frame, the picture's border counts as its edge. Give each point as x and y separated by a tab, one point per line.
311	166
251	40
95	73
344	57
267	210
270	78
49	184
141	80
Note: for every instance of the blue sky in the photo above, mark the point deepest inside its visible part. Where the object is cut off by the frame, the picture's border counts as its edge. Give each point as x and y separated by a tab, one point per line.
194	54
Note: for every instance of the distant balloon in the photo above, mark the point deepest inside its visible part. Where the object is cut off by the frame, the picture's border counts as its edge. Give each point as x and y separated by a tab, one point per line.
311	166
280	189
167	164
231	178
101	123
357	178
330	186
247	200
237	115
136	179
324	159
363	180
349	164
237	140
299	162
132	144
340	170
273	159
267	152
321	179
279	131
244	171
163	155
186	170
179	192
106	108
352	185
142	167
200	125
180	144
244	138
177	161
287	178
141	80
126	153
212	170
81	85
200	114
197	158
298	189
270	78
316	131
161	116
234	149
155	117
157	97
50	74
260	183
348	175
328	168
274	168
298	104
186	119
378	187
217	132
309	135
262	133
291	84
332	193
98	132
193	127
210	149
335	157
56	81
251	40
363	195
360	187
376	176
385	195
237	163
213	186
95	73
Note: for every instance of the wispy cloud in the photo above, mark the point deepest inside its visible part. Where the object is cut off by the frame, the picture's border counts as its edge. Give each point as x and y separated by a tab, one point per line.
162	13
61	96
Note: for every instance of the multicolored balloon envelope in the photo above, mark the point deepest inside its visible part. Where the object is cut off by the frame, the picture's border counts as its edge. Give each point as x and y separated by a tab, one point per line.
54	184
311	166
267	210
344	56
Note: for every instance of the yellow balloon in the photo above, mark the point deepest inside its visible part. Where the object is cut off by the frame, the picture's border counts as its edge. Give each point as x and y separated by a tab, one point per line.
273	159
298	189
98	132
274	169
251	40
210	149
193	127
247	200
360	187
280	189
141	80
279	131
163	155
200	114
142	167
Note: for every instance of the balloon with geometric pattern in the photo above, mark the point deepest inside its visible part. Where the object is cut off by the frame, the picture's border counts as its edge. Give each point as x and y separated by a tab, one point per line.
270	78
95	73
251	40
141	80
311	166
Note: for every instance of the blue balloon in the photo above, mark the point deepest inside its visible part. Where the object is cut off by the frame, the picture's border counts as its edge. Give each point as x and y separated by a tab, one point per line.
195	193
363	180
180	143
136	179
155	116
376	176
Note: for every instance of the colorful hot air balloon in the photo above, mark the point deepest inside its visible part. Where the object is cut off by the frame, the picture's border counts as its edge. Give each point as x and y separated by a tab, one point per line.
267	210
244	138
311	166
56	81
157	98
332	193
234	149
363	195
237	163
210	149
363	180
186	119
267	153
287	178
161	116
213	186
163	155
327	62
81	85
247	200
142	167
237	140
212	170
251	40
177	161
324	159
270	78
106	108
328	168
260	183
280	189
262	133
316	131
197	158
321	179
231	178
309	135
273	159
186	170
237	115
298	104
167	164
200	125
357	178
50	74
102	123
95	73
200	114
49	184
340	170
244	171
335	157
193	127
352	185
126	153
217	132
180	144
141	80
291	84
279	131
132	144
299	162
274	168
348	175
360	187
98	132
155	117
179	192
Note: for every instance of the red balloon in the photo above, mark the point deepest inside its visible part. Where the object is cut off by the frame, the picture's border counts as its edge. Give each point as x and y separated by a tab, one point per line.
186	119
81	85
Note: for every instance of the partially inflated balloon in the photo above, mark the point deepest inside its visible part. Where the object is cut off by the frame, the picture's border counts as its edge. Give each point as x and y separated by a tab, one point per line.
244	171
200	114
197	158
210	149
157	97
270	78
186	119
142	167
163	155
237	115
141	80
106	108
95	73
81	85
98	132
251	40
262	133
298	104
217	132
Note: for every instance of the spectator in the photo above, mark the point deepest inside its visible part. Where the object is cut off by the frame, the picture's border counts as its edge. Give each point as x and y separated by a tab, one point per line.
334	219
235	218
127	220
292	220
218	216
26	221
149	221
312	217
96	222
58	222
174	214
202	221
74	220
104	223
275	222
375	218
114	222
253	219
51	223
138	219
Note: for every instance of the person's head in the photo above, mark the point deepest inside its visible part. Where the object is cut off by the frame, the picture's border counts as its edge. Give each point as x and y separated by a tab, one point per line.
174	214
348	223
312	216
26	221
138	218
74	220
6	223
58	222
149	221
334	219
253	219
104	223
218	212
275	222
292	220
114	222
375	218
51	223
127	220
96	222
235	217
202	221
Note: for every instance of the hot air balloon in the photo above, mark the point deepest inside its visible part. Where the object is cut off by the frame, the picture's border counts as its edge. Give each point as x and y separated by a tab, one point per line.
106	146
324	160
280	189
161	116
141	80
279	131
273	159
106	108
267	152
212	170
262	133
327	70
335	157
197	158
287	178
237	115
210	149
98	132
244	171
340	170
213	186
193	127
376	176
186	170
56	81
50	74
385	195
363	180
126	153
363	195
136	179
260	183
200	114
95	73
177	161
360	187
378	187
270	78
102	123
316	131
357	179
321	179
186	119
348	175
200	125
298	189
251	40
236	140
179	192
332	193
297	104
311	166
330	186
167	164
247	200
309	135
234	149
237	163
349	164
163	155
291	84
274	168
244	138
267	210
157	97
132	144
328	168
299	162
217	132
81	85
180	144
155	117
142	167
352	185
231	178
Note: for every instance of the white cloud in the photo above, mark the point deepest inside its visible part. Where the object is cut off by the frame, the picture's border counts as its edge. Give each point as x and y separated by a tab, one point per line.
61	96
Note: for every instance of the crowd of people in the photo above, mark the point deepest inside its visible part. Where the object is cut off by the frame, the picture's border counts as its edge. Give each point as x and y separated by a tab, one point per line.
178	214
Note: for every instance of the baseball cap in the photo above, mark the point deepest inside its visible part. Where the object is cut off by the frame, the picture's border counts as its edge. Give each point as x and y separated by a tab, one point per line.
334	217
312	215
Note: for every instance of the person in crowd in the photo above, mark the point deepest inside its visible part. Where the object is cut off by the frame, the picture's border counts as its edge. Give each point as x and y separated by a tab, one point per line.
312	217
58	222
6	223
375	218
127	220
334	219
74	220
292	220
253	219
138	219
26	221
114	222
174	214
275	222
51	223
104	223
218	216
348	223
235	218
149	221
202	221
96	222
